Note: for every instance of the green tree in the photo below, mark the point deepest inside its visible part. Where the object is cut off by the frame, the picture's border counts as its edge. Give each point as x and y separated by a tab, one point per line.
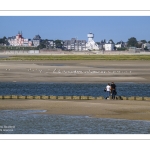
3	40
58	43
42	44
121	49
132	42
148	41
143	41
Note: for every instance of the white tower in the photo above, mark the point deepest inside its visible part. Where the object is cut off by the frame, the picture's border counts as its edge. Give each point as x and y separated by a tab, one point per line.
90	37
91	45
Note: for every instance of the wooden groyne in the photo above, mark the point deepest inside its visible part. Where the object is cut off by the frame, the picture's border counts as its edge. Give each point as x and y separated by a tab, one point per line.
52	97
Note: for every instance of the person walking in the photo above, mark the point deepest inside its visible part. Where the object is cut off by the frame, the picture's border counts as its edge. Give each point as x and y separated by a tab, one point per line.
113	90
108	88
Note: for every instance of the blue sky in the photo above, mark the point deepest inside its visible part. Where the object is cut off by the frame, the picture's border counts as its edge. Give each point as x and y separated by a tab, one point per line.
67	27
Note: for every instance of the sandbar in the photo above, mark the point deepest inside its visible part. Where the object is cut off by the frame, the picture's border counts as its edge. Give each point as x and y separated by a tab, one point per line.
75	71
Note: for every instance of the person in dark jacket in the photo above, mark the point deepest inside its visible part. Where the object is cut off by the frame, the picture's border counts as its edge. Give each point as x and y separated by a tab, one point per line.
113	90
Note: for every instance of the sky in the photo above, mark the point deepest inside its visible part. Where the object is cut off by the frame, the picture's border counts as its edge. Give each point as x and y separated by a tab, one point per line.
116	28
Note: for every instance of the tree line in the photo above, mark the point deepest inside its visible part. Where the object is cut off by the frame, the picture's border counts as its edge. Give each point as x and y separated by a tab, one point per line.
132	42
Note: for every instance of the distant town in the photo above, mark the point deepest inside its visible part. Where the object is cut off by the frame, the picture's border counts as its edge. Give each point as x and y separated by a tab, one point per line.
18	41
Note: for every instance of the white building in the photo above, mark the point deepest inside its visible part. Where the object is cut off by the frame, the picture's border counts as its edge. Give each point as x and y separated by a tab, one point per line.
120	44
109	46
27	42
146	45
91	45
36	40
18	40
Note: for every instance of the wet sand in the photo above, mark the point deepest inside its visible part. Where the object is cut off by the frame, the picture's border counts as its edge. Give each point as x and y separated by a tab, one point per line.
116	109
75	71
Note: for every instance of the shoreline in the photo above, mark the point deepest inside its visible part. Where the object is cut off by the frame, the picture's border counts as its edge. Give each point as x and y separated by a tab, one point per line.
109	109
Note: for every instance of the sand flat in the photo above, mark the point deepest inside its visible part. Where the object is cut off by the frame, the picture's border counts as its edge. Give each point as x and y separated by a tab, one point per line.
96	71
116	109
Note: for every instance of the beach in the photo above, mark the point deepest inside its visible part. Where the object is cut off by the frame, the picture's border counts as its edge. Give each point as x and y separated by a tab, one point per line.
115	109
79	71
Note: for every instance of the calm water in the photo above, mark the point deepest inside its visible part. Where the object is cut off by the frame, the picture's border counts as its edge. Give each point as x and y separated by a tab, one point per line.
31	122
70	89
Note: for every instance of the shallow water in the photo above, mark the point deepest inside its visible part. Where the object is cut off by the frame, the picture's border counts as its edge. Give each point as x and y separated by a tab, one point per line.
32	122
71	89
